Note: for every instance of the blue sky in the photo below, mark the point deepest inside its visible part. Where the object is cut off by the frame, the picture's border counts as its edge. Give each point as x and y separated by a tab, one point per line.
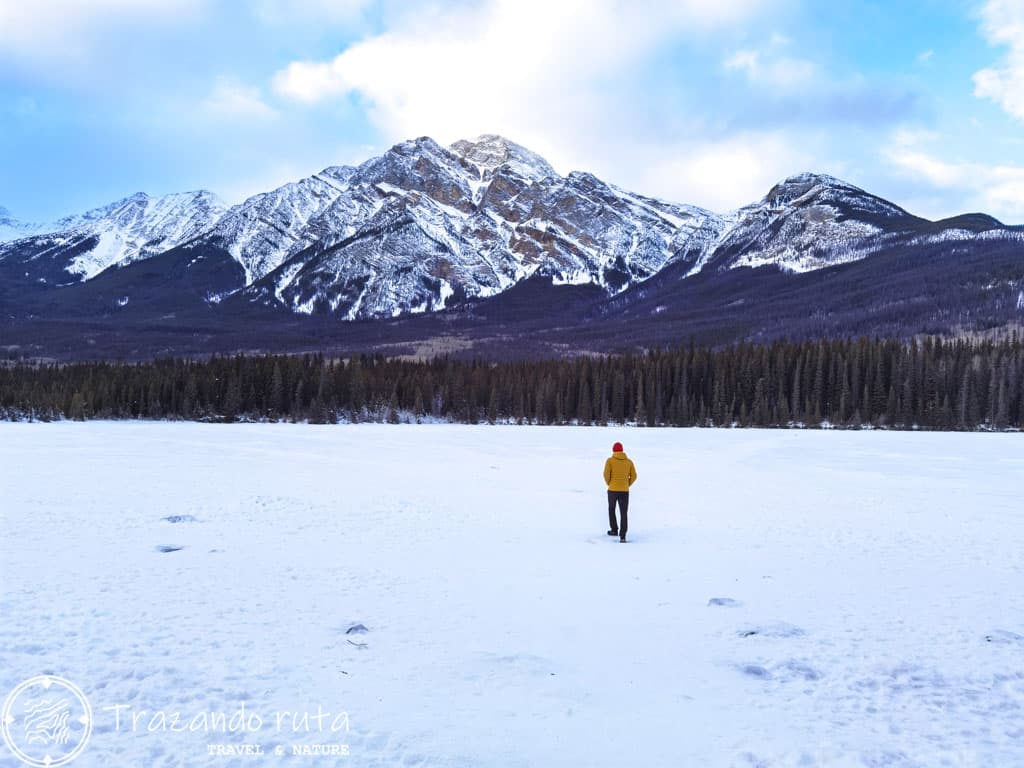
701	101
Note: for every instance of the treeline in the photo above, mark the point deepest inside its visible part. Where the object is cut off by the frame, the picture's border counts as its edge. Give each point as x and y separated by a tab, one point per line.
934	384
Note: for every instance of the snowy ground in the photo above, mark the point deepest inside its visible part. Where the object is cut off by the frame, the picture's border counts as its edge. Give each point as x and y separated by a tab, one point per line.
877	580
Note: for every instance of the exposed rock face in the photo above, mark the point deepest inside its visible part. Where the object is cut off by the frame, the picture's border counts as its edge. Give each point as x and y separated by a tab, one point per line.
423	227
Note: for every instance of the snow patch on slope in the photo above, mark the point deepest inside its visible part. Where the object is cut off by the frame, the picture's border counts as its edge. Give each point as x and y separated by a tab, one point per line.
262	232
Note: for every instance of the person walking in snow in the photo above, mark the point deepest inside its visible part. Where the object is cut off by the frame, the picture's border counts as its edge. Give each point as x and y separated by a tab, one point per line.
619	475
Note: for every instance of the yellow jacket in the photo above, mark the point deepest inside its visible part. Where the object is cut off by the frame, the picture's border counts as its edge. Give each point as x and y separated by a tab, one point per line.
619	472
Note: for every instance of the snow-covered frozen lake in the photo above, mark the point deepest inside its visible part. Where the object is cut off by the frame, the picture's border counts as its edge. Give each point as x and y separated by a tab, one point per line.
786	599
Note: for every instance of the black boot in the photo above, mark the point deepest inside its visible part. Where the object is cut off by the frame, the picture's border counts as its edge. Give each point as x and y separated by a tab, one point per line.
613	533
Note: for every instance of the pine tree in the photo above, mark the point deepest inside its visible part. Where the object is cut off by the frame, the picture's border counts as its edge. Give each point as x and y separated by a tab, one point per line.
640	412
418	408
77	409
585	414
492	406
1001	419
618	404
232	402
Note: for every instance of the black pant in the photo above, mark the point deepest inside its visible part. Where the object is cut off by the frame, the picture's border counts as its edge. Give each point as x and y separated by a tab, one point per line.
622	497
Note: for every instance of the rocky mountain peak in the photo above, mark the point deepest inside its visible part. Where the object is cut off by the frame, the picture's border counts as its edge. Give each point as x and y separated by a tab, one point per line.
821	191
411	164
490	152
418	146
794	187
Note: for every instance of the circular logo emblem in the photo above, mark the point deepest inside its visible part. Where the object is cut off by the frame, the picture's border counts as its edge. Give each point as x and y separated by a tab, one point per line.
46	721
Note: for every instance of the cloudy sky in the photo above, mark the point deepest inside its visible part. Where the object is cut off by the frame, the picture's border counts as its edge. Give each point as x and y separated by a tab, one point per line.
701	101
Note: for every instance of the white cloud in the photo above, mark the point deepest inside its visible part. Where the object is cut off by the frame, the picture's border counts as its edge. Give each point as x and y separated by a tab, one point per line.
558	77
41	31
1003	25
436	67
925	57
722	175
994	189
233	99
771	66
770	69
924	166
281	12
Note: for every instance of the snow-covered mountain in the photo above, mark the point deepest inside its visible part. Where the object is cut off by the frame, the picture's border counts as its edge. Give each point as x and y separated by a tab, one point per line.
262	231
424	227
421	224
14	229
80	247
807	222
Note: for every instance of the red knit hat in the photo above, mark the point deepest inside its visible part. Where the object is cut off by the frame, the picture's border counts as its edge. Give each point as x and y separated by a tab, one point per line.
617	448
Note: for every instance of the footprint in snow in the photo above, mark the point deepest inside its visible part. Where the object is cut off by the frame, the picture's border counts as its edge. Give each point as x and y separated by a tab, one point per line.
168	548
797	670
180	519
791	669
725	602
773	629
356	629
1003	637
756	671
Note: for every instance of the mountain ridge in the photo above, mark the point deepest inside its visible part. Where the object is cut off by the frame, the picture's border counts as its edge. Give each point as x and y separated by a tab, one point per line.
425	229
807	221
